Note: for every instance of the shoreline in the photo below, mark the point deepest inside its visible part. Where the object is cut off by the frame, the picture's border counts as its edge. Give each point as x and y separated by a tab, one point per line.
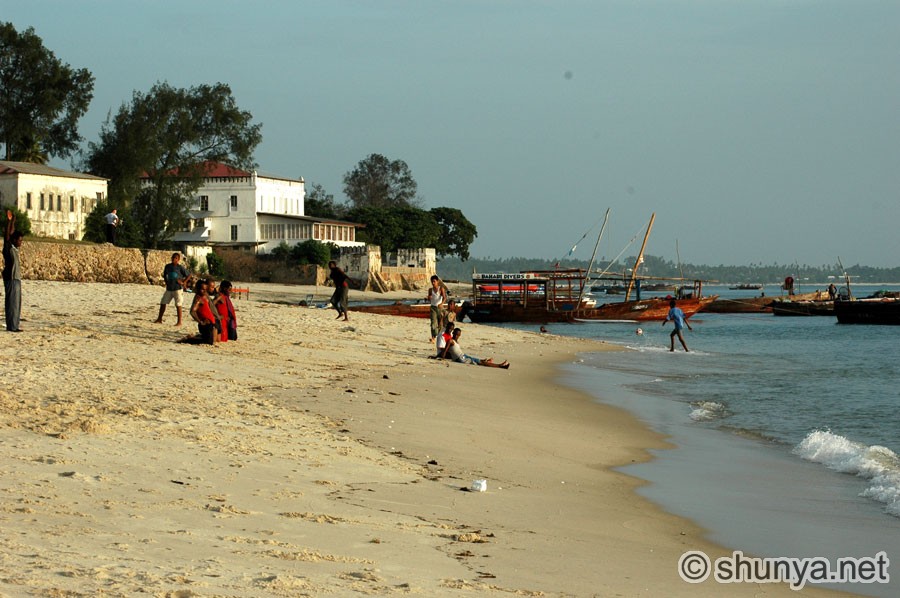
316	456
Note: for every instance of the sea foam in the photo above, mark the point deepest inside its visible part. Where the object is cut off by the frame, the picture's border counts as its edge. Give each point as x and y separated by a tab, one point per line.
707	411
877	464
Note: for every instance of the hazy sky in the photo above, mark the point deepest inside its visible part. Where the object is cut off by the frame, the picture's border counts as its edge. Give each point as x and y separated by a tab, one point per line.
758	131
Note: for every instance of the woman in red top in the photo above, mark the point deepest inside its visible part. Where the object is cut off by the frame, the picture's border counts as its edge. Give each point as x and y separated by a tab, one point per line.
203	314
221	305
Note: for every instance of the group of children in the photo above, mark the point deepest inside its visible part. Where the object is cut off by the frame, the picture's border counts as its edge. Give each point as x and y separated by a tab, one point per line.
214	313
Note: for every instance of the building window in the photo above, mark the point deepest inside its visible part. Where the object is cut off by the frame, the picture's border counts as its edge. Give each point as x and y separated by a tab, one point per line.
28	201
71	203
234	228
204	203
59	203
42	201
234	202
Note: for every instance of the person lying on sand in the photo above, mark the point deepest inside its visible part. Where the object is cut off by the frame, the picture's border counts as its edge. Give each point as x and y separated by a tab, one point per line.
454	351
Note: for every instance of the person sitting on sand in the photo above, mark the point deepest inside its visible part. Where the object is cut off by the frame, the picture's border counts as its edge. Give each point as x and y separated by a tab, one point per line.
202	313
229	331
220	306
454	351
444	338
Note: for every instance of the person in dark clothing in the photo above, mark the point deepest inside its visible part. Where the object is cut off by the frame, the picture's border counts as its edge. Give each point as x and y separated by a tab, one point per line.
341	294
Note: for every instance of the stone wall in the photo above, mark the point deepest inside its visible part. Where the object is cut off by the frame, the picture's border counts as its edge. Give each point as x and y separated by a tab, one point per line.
44	260
71	262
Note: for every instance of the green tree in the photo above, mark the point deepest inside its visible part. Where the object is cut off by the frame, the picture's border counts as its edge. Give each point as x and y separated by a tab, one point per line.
23	222
312	252
320	204
456	233
156	150
399	227
383	228
216	264
41	98
377	182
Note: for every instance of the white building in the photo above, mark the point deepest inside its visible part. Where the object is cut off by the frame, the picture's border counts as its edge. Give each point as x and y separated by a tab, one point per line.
57	201
236	208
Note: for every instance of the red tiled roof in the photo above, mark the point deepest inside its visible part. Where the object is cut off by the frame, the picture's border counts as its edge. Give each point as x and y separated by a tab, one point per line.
215	170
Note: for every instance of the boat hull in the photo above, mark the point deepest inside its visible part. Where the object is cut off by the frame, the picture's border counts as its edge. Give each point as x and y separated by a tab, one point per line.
755	304
408	310
868	311
631	311
803	308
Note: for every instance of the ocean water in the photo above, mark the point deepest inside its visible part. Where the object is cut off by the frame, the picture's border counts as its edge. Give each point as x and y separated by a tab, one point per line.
787	429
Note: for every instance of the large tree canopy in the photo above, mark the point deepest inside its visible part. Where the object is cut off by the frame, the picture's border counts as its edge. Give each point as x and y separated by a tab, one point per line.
377	182
41	98
456	233
155	151
382	195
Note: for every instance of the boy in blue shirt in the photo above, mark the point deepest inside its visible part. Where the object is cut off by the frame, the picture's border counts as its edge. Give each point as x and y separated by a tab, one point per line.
677	316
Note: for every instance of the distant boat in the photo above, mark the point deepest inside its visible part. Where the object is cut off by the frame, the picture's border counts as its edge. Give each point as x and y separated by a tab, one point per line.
746	287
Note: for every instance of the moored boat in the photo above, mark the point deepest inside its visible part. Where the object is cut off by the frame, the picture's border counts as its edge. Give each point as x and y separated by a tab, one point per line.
559	297
398	308
871	310
803	308
755	304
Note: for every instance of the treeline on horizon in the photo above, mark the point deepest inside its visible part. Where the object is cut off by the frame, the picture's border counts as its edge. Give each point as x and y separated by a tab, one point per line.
452	268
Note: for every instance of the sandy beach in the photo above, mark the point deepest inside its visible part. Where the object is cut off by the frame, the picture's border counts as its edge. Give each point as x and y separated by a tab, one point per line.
314	457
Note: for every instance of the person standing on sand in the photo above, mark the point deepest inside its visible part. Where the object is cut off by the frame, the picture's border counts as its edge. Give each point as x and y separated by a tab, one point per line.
437	297
341	295
12	275
677	316
175	277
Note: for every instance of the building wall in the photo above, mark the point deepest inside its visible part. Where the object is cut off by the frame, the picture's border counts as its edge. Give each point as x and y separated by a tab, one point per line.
279	196
66	202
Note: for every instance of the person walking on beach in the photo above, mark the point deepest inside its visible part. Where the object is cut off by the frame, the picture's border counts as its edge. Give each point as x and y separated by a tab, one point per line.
437	297
341	295
112	221
12	275
175	277
454	351
677	317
